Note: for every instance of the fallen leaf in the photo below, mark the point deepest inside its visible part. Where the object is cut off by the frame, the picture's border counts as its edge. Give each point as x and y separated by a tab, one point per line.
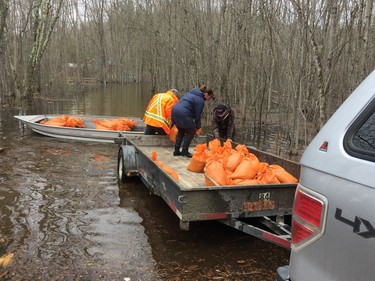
6	259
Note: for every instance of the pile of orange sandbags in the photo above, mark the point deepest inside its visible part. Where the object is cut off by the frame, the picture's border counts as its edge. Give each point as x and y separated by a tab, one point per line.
224	165
198	161
166	168
119	124
64	121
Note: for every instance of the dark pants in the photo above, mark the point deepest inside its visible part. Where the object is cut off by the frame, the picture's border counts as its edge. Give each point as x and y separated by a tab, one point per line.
151	130
223	134
184	137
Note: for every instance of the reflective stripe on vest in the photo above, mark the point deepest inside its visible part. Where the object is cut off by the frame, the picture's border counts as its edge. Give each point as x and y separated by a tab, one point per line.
156	105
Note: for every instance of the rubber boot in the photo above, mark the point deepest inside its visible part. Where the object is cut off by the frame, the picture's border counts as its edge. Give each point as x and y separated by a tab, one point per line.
176	151
185	152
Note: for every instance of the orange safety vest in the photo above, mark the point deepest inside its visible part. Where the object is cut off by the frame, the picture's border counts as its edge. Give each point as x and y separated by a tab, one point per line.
159	110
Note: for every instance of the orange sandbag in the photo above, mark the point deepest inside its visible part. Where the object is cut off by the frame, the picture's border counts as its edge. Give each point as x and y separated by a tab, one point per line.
246	170
196	165
234	159
100	127
265	175
65	121
124	124
74	122
170	171
166	168
214	170
214	146
173	134
217	152
282	175
245	182
252	157
119	124
58	121
198	161
103	124
241	148
153	155
208	182
159	163
228	145
226	150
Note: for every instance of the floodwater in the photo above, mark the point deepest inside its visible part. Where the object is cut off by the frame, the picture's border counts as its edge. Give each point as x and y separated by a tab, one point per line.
64	216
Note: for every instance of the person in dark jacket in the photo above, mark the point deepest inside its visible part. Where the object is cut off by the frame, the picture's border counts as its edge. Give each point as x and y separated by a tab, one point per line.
186	115
223	122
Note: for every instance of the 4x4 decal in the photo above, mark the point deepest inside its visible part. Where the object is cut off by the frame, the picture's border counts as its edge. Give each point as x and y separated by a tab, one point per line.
356	224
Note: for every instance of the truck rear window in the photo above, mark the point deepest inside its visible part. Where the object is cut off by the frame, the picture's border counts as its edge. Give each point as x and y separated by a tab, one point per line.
360	139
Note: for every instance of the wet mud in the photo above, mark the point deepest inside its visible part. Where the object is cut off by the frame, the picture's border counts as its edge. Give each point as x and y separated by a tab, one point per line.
64	216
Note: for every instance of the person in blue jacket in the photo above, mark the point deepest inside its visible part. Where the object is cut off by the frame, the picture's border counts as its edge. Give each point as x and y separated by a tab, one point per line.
186	115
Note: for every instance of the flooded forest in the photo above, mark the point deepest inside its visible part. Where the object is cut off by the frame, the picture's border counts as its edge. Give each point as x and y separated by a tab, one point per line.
282	64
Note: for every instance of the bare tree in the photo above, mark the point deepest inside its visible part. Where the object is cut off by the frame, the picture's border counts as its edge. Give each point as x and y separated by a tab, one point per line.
4	7
45	13
284	66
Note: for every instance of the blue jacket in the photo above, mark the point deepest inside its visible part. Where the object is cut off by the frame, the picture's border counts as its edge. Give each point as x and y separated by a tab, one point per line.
186	113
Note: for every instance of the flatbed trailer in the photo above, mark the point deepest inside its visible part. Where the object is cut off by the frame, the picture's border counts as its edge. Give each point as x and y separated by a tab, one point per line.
258	210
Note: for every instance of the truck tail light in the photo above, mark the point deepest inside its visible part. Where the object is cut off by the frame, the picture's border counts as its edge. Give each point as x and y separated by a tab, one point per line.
309	214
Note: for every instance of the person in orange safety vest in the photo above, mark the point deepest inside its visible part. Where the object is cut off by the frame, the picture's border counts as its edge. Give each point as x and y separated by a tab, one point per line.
158	113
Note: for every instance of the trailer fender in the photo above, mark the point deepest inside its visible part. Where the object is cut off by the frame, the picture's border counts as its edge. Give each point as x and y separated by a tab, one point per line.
127	163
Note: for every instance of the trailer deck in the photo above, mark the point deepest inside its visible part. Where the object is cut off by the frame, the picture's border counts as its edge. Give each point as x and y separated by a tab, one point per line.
191	200
187	180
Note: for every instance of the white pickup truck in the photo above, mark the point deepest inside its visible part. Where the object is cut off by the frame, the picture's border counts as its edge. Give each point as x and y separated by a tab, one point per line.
333	221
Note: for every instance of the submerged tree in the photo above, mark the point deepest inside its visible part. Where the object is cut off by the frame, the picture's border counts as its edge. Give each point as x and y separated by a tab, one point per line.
45	14
4	7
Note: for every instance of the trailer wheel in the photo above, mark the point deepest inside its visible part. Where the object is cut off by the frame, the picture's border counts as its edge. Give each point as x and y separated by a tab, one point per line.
127	168
184	225
121	167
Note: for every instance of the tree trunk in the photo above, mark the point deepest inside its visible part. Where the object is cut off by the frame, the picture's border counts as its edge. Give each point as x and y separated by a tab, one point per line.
45	18
4	8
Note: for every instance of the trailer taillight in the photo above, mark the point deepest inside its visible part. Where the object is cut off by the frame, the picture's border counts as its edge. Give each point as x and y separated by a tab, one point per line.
308	217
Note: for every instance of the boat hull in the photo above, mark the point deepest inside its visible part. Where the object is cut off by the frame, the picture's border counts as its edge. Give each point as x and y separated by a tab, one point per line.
89	133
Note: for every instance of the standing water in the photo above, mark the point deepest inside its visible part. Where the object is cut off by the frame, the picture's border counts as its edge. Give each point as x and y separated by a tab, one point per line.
65	217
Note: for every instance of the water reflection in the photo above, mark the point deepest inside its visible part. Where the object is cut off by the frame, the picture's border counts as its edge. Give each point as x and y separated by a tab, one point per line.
208	251
65	217
59	210
115	100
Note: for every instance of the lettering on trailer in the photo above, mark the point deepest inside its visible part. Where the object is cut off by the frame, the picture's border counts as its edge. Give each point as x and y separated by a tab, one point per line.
356	224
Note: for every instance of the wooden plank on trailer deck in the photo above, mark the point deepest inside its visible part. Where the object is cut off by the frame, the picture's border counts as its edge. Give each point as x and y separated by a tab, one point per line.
187	179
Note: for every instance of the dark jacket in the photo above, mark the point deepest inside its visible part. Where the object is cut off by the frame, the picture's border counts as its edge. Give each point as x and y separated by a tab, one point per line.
186	113
222	123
